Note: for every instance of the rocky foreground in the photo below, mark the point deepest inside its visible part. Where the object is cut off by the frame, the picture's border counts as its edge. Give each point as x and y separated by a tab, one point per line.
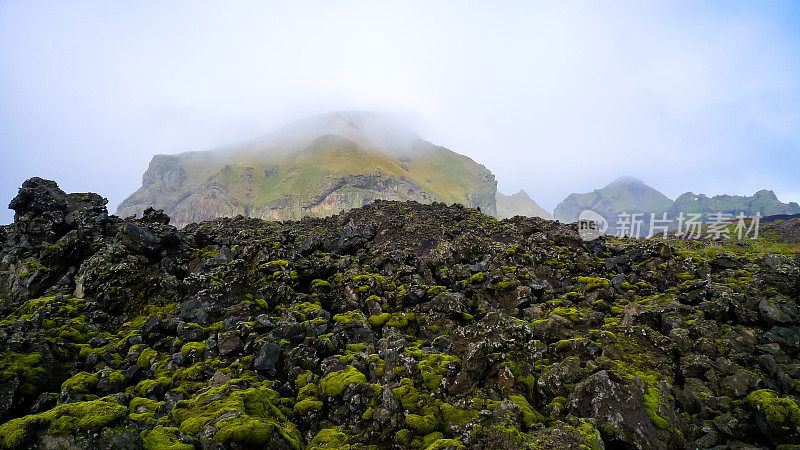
394	325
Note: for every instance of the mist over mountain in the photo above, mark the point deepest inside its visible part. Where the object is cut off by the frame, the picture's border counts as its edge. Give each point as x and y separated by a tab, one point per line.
316	167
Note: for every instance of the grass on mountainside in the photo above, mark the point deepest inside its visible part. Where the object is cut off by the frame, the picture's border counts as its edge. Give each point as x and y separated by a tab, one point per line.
443	175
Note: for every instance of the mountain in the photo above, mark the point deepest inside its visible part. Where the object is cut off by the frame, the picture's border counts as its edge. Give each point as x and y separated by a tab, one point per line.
392	325
316	167
763	202
519	204
624	195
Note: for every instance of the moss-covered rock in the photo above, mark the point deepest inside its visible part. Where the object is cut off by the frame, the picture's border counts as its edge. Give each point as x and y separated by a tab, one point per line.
335	383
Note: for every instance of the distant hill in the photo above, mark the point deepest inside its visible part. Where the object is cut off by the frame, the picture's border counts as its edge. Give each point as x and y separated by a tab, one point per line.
628	195
519	204
317	167
763	202
631	196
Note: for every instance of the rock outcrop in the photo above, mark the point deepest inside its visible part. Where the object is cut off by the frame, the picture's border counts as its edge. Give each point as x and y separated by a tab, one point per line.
393	325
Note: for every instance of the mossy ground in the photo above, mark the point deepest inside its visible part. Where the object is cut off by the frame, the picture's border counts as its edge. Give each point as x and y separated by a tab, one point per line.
449	333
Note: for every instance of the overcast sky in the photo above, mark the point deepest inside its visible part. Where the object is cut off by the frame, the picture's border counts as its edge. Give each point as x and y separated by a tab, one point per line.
554	97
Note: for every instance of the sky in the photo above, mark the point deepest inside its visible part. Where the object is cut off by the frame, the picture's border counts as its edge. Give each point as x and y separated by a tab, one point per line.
552	97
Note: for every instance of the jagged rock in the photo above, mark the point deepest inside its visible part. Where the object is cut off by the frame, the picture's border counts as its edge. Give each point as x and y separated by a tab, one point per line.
773	314
229	343
618	410
267	358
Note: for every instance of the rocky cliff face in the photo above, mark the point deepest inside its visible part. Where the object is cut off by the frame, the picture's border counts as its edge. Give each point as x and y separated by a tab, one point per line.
393	325
316	168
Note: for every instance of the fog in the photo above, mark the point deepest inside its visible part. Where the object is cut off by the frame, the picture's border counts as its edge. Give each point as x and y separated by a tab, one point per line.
554	98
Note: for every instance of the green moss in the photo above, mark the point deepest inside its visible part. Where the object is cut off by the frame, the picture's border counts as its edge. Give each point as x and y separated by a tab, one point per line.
594	283
529	415
245	430
422	424
403	438
310	390
349	317
778	411
272	265
25	367
407	394
335	383
82	382
306	405
652	400
400	320
319	283
162	437
356	348
454	416
507	284
430	438
571	314
477	278
67	419
591	435
441	444
435	290
258	414
146	357
32	268
433	367
368	413
14	432
116	377
303	379
143	409
329	438
193	348
378	320
635	362
147	385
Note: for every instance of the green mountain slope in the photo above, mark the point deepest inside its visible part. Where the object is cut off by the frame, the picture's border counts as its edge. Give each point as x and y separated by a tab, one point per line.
317	167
